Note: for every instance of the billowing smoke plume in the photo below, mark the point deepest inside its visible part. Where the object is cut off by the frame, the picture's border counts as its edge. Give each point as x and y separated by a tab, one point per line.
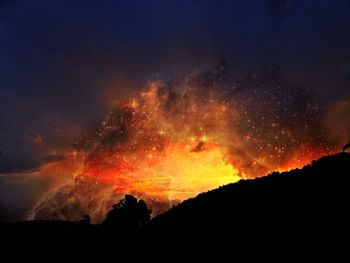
174	140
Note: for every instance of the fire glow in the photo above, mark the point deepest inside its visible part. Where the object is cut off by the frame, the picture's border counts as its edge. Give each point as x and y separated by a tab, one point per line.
164	145
165	153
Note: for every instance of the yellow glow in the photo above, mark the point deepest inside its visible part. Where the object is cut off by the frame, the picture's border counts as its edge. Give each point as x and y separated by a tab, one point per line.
179	174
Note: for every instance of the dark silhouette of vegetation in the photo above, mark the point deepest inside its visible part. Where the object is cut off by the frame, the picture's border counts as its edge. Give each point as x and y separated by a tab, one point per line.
128	212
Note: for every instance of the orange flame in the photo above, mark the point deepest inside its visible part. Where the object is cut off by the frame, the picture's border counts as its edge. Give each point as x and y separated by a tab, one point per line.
164	146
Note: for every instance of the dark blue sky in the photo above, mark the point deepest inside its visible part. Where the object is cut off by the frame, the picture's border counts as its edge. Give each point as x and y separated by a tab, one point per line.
59	60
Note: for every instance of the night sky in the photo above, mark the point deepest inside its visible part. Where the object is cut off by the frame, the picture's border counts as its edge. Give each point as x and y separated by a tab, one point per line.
64	63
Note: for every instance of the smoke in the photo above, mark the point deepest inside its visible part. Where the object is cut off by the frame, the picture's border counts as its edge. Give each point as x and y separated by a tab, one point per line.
175	139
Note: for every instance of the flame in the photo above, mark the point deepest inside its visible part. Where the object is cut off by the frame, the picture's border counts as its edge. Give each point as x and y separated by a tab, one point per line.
163	145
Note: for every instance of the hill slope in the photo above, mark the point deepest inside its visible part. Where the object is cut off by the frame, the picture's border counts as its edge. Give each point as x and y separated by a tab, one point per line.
308	204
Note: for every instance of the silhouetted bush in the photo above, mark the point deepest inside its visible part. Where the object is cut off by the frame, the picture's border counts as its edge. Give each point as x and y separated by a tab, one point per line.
128	212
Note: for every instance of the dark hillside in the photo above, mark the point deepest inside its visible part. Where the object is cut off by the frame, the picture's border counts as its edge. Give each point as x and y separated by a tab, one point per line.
309	204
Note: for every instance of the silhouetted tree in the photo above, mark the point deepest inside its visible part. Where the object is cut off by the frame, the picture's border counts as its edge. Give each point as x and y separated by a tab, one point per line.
128	212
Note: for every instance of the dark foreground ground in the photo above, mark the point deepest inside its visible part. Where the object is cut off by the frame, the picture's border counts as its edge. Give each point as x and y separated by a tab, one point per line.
284	214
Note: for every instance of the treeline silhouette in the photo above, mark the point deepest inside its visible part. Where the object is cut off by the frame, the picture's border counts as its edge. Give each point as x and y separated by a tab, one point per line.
303	207
129	213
